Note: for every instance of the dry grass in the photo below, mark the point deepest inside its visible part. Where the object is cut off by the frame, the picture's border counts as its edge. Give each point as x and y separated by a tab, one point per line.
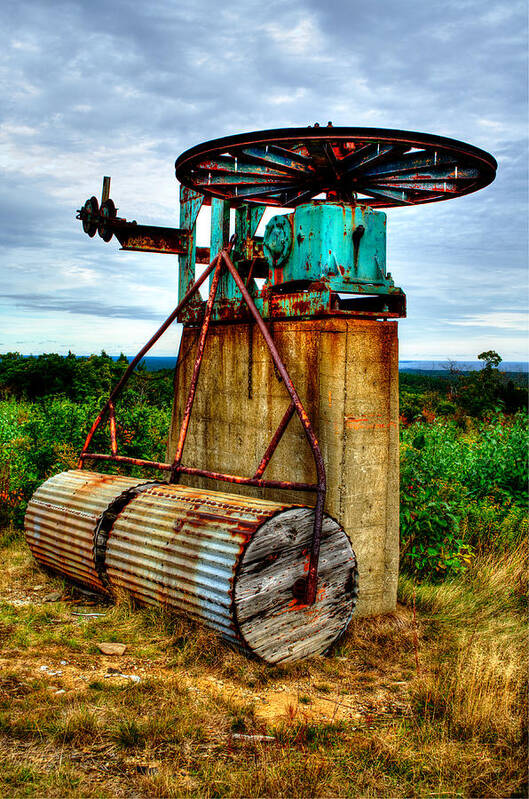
476	681
358	722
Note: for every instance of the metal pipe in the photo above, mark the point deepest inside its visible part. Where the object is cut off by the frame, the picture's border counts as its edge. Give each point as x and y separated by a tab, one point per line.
312	578
101	456
132	365
227	478
250	481
283	424
196	370
105	194
112	421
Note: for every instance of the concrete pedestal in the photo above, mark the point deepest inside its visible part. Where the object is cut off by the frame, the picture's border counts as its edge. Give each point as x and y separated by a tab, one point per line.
346	373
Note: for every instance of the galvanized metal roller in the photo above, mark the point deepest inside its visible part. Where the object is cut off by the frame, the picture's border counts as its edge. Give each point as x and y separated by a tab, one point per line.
230	561
61	520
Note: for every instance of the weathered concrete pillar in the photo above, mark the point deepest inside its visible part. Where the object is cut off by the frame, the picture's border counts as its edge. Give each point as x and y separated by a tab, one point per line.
346	373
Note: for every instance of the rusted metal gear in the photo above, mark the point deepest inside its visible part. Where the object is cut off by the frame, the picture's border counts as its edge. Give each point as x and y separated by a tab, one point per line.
107	215
370	166
89	216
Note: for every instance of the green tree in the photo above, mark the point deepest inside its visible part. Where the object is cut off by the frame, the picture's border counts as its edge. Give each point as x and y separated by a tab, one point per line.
480	392
491	358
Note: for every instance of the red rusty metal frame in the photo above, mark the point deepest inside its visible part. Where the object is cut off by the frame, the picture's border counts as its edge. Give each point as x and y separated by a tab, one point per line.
304	590
274	441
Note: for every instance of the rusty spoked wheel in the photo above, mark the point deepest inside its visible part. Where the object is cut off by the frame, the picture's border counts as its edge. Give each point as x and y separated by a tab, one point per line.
371	166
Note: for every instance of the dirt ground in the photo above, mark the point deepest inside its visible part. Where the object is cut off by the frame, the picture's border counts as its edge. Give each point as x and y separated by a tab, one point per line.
181	714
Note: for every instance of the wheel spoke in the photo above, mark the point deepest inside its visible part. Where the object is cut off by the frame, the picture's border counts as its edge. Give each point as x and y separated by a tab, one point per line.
333	160
436	173
369	154
411	161
295	197
237	166
396	196
425	185
255	191
278	158
210	179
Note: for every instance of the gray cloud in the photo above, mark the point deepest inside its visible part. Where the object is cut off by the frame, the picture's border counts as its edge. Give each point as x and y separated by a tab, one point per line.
121	89
76	305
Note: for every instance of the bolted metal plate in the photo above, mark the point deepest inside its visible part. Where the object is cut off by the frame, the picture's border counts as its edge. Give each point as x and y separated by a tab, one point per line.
277	241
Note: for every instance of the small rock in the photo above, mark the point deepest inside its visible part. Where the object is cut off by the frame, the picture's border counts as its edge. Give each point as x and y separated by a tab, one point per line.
64	662
43	668
148	768
38	587
241	737
108	648
87	615
60	691
53	597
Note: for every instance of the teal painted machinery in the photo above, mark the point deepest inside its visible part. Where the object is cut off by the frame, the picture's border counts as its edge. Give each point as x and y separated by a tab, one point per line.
326	257
339	245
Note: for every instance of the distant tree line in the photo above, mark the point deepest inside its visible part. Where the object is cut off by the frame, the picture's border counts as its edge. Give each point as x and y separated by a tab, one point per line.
80	379
456	393
477	394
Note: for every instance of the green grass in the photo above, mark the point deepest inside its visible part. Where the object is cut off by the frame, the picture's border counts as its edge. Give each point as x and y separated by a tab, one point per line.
455	728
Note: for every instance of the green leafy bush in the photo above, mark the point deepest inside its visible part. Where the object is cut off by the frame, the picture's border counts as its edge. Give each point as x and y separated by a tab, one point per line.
461	490
463	480
41	439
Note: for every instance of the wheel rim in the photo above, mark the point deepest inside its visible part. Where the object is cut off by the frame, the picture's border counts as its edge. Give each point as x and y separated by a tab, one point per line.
106	215
89	215
370	166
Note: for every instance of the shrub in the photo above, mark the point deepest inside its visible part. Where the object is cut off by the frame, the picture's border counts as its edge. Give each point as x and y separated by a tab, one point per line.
40	439
461	490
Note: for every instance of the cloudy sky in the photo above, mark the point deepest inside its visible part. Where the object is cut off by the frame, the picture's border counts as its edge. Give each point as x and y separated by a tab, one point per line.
121	88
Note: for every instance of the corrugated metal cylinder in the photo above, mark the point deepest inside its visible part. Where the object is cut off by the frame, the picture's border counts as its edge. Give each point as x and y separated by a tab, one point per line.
227	560
61	519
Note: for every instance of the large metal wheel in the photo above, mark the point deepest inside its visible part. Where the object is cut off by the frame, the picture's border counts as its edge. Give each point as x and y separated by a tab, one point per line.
375	167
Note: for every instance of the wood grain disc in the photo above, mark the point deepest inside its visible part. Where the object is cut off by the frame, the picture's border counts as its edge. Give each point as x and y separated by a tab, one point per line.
274	625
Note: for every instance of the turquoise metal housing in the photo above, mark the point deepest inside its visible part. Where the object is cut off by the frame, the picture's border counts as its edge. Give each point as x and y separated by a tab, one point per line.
324	258
339	244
